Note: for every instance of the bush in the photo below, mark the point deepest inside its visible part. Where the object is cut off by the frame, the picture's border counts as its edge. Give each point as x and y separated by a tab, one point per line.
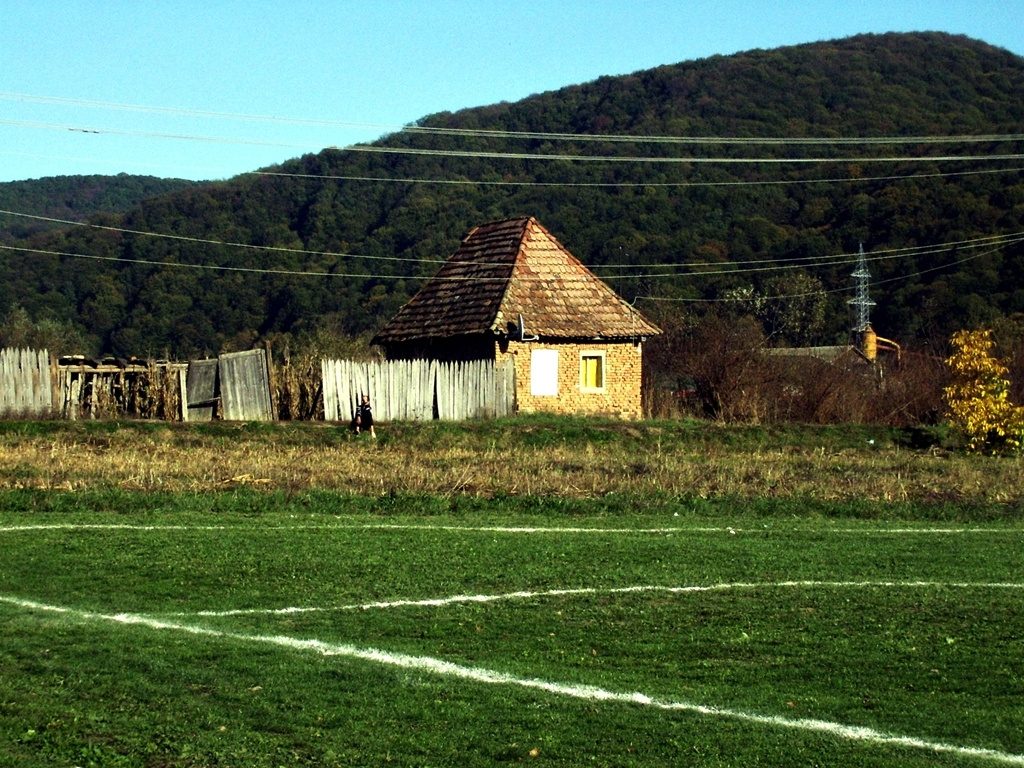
711	366
979	396
718	366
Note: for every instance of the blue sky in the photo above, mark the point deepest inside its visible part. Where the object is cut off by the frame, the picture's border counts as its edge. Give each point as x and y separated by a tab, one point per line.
361	68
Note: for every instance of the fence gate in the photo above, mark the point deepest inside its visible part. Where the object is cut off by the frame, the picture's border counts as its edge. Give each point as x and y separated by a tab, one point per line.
239	382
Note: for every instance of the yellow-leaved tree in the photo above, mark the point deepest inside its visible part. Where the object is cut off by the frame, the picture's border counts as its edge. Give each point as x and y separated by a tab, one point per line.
978	397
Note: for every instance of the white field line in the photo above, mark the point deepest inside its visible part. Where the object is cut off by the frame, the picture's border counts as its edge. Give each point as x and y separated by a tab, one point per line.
590	693
110	527
528	595
677	529
493	529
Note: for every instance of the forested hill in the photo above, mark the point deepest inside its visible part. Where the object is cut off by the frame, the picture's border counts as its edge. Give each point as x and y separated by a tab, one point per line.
75	198
716	225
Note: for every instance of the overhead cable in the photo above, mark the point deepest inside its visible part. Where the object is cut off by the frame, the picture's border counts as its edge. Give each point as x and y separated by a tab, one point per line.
182	112
366	275
377	149
796	261
634	184
876	255
553	184
898	278
463	279
510	134
719	140
837	261
290	272
205	241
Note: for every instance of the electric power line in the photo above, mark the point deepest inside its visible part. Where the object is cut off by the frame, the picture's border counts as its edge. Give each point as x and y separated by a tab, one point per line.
897	278
829	259
465	279
183	112
289	272
377	149
836	261
554	184
734	267
205	241
509	134
796	262
634	184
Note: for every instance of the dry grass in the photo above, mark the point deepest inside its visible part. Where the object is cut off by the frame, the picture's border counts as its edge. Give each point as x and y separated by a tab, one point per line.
506	459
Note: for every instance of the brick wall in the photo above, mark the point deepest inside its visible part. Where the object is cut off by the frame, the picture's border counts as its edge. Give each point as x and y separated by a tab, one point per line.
620	396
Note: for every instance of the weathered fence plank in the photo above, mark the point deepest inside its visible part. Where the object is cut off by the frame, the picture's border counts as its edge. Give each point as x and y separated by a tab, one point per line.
183	391
25	387
201	386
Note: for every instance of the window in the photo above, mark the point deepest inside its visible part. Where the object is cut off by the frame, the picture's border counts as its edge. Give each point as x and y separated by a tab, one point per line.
592	371
544	372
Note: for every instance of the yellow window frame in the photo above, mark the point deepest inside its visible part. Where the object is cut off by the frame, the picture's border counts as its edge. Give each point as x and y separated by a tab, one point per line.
593	371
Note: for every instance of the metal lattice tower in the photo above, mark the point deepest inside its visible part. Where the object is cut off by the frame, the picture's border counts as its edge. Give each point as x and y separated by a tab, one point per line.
861	303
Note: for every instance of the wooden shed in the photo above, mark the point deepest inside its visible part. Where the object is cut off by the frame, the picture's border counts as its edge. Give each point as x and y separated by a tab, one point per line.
512	291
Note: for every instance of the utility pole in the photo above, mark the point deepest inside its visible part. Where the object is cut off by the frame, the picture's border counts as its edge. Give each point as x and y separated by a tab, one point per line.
863	334
861	303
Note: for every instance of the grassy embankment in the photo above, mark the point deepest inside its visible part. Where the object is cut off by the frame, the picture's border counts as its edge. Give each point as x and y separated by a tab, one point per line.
538	457
687	594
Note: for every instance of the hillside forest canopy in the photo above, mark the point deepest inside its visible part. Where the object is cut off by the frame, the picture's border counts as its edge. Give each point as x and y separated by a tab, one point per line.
334	243
58	199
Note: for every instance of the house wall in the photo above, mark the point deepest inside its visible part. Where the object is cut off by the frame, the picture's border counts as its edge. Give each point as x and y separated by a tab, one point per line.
620	396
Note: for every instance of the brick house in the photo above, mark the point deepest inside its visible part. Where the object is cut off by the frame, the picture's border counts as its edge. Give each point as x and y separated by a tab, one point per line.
512	291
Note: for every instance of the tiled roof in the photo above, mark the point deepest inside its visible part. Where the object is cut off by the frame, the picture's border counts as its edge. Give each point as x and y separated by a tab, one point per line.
512	267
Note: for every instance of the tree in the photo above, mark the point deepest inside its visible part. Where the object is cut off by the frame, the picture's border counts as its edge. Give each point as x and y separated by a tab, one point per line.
978	399
719	357
19	329
792	307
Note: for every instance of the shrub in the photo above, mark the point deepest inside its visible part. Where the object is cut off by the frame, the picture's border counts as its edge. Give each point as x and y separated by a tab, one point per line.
715	361
979	396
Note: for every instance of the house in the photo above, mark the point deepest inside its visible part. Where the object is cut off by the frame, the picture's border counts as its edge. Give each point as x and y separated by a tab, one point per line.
513	292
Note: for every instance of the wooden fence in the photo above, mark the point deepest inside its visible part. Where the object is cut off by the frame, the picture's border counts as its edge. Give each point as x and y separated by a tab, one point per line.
25	383
419	390
237	387
108	388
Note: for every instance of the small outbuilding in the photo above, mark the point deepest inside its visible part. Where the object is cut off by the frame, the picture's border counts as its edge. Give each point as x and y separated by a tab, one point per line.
513	292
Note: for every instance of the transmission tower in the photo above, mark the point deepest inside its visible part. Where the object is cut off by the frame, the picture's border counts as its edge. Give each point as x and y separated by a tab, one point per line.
861	303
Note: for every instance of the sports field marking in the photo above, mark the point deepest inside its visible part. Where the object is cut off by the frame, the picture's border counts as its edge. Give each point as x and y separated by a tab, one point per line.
718	529
732	530
110	527
528	595
481	675
348	527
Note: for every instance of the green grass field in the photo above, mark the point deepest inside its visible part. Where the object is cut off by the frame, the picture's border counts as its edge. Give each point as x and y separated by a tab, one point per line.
318	629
